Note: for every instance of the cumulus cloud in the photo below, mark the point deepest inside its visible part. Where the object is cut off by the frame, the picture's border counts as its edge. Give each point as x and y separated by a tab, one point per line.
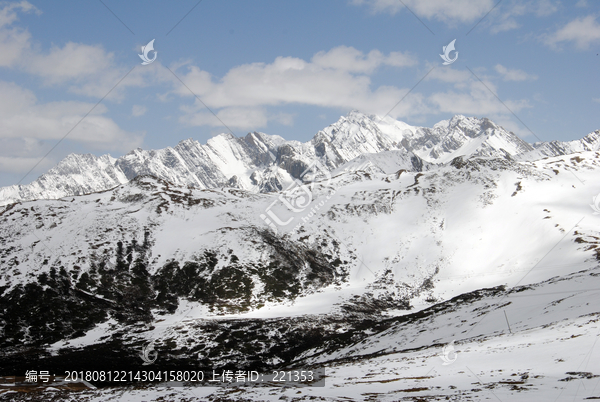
450	75
88	70
338	78
583	32
84	69
13	41
23	117
242	97
72	61
27	126
285	119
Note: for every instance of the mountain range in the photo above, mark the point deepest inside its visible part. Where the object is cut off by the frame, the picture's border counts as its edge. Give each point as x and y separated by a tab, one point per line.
264	163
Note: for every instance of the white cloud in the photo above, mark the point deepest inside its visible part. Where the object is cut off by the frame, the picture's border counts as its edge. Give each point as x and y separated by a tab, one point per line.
13	41
506	19
513	75
72	61
85	69
546	7
8	14
22	117
242	96
583	32
88	70
337	78
505	25
138	110
448	11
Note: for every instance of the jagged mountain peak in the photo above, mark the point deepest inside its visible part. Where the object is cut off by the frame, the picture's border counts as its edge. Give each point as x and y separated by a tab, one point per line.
350	137
470	126
188	142
356	115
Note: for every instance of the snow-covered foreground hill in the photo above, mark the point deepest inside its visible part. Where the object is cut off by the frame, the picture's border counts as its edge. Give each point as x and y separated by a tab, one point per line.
534	342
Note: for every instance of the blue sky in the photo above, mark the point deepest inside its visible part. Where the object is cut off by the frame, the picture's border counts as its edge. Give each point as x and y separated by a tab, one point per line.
283	67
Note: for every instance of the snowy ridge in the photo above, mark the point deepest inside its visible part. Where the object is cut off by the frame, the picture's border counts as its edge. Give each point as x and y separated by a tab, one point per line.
74	175
263	163
434	213
590	142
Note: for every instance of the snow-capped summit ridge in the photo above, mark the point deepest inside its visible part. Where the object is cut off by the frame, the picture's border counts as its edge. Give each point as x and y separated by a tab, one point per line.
261	162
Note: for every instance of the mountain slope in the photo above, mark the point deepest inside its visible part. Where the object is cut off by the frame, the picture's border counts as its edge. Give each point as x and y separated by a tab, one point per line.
368	257
402	238
372	286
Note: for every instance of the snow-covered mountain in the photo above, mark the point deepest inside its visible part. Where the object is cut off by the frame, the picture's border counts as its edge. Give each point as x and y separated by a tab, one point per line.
374	260
265	163
404	246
